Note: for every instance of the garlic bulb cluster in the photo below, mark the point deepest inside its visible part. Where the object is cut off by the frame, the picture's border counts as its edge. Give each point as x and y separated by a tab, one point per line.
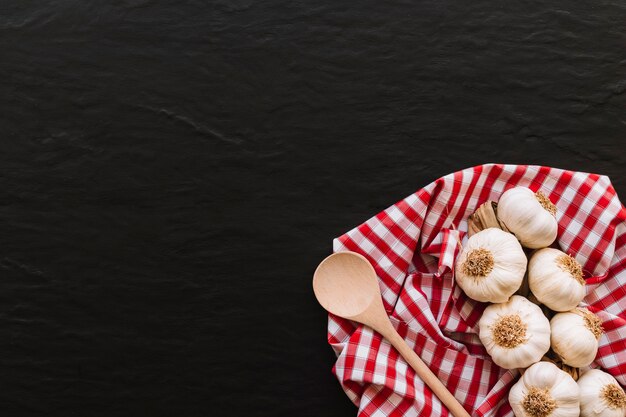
574	336
491	266
529	216
515	330
516	334
556	279
544	390
601	395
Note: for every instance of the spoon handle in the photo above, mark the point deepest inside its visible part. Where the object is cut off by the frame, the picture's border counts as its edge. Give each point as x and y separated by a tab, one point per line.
422	370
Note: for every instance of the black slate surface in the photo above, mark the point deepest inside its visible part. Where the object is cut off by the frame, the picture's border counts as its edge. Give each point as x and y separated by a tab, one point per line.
172	172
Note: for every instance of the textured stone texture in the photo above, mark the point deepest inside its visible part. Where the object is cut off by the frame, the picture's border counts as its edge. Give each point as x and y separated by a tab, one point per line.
172	173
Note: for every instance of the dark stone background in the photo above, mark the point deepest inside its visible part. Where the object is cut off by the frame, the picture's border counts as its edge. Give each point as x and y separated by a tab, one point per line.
172	172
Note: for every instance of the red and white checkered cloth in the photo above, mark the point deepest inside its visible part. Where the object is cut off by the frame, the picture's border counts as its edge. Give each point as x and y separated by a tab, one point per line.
412	246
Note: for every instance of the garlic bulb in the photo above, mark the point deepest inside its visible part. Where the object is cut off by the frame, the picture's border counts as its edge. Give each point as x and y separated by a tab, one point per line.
530	216
556	279
544	390
601	395
516	334
491	266
574	336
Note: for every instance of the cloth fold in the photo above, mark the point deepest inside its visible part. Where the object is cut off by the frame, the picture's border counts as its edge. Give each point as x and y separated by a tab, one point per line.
413	246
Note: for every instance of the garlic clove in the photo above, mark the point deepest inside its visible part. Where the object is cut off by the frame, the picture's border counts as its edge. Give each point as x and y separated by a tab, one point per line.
483	218
516	334
556	279
491	266
574	336
601	395
545	391
530	216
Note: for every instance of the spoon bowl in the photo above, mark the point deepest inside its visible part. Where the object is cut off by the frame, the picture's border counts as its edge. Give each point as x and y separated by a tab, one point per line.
345	284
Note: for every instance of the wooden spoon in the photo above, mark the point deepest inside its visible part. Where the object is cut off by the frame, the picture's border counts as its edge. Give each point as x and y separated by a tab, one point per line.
346	285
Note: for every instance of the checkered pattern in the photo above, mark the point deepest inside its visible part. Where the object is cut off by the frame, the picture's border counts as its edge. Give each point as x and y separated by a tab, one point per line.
412	246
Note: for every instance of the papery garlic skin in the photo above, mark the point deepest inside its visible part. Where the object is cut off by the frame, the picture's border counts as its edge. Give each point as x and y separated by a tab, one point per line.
593	401
503	261
550	280
523	213
574	336
509	346
558	387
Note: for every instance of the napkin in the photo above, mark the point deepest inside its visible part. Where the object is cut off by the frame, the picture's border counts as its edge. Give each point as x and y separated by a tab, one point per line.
413	246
